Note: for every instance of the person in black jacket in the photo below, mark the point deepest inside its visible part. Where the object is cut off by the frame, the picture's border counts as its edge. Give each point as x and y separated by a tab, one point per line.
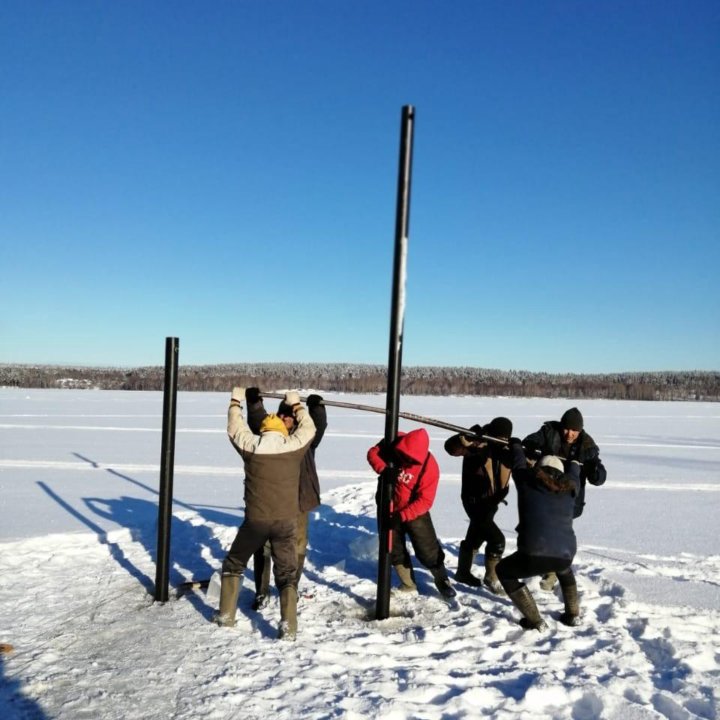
485	484
568	440
309	486
546	540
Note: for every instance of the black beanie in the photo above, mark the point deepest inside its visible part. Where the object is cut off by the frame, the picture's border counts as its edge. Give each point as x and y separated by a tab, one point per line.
499	427
285	409
572	419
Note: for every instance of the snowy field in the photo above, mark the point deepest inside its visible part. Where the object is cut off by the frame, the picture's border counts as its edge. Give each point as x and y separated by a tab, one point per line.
79	475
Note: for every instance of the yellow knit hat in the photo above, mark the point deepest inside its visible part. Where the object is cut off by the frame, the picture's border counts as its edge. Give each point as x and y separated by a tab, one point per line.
273	423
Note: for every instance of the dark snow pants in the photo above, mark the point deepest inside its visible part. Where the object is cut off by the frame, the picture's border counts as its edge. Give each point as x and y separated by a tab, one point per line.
251	536
262	556
424	540
519	565
482	528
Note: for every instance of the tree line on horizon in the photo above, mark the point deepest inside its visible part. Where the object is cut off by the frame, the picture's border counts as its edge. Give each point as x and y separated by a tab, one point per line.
359	378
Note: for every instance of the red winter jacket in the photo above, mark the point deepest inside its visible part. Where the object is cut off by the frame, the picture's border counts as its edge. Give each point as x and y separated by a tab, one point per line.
418	474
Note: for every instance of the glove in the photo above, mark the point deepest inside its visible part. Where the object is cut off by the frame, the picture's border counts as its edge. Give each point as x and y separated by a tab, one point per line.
252	395
594	471
390	474
238	393
314	401
467	442
292	398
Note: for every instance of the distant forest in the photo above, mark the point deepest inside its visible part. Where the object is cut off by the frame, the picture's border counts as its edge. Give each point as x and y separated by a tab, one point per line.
696	385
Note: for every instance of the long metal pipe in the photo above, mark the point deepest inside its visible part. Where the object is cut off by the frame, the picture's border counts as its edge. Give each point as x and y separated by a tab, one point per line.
422	419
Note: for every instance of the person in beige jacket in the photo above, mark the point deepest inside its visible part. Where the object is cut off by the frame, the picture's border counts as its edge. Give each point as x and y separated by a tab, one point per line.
272	475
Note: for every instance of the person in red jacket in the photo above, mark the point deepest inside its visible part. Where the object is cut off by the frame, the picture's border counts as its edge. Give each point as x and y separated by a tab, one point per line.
413	495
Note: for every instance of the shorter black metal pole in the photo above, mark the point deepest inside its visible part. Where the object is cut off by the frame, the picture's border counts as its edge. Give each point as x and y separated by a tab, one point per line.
167	464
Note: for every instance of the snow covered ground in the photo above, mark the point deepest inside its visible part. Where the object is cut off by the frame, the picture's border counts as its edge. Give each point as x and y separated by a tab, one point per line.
79	474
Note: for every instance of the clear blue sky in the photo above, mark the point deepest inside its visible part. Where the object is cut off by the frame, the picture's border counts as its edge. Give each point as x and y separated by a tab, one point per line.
226	172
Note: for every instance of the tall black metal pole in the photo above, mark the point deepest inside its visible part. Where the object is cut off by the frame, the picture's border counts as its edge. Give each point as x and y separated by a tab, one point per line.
167	464
397	317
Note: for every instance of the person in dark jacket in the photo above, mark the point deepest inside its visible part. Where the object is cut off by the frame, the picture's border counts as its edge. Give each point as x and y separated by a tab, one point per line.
309	497
485	481
545	537
413	495
569	440
272	475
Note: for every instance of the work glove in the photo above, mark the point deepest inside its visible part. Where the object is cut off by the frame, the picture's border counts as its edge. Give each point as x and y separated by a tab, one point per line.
314	400
238	394
292	398
594	471
468	442
390	474
252	395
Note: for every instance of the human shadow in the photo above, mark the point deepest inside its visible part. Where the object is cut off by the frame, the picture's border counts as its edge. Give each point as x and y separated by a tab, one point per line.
189	540
194	547
116	551
210	513
14	703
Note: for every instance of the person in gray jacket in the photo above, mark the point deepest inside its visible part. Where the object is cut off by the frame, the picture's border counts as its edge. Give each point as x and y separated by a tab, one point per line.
272	475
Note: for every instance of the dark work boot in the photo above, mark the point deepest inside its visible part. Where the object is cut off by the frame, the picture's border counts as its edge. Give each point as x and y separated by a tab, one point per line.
442	583
466	555
525	603
288	613
571	616
548	581
300	566
491	581
261	568
229	590
407	578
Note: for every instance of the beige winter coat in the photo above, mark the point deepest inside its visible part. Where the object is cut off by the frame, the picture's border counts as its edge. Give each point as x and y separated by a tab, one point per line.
272	465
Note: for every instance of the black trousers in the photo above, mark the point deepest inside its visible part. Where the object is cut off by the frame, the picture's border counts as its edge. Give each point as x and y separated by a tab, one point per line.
262	556
482	528
251	536
424	540
519	565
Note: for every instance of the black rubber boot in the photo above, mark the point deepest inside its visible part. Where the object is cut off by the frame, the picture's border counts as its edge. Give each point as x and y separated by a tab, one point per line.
571	616
525	603
407	578
288	613
300	566
466	555
261	568
491	580
229	590
548	581
442	583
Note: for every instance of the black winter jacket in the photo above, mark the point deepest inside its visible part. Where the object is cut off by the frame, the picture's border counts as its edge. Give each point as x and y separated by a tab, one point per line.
548	440
485	470
545	508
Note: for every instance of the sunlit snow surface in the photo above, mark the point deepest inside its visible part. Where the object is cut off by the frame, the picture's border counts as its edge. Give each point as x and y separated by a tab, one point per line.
79	477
